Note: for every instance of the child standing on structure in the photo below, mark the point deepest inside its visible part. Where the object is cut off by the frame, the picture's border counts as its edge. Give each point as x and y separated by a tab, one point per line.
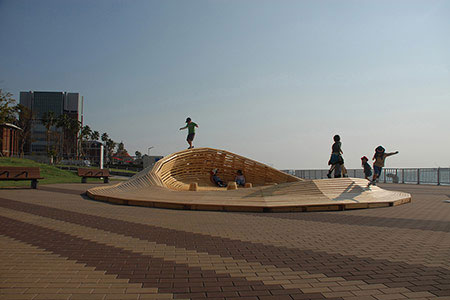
379	158
367	168
191	131
336	159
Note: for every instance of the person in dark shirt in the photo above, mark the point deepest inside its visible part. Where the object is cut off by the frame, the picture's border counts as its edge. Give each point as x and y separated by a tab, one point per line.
336	159
367	167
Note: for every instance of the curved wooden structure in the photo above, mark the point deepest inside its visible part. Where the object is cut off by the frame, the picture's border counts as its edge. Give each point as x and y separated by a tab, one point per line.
178	170
182	180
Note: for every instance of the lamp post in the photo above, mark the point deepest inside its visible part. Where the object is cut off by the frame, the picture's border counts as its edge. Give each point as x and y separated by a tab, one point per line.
148	151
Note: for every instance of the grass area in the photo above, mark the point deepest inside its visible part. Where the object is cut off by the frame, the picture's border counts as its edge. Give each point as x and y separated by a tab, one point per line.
50	173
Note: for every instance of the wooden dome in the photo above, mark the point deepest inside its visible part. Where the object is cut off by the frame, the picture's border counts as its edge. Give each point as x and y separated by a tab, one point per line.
178	170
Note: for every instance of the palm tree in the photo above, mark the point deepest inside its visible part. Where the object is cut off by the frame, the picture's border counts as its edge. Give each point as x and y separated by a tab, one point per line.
110	145
64	122
48	120
105	138
85	132
24	121
95	135
74	130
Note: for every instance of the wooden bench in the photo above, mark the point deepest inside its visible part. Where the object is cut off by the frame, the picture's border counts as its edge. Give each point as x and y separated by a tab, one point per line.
93	173
21	173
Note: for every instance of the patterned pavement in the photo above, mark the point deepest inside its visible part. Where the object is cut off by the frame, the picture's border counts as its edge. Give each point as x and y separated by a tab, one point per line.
55	243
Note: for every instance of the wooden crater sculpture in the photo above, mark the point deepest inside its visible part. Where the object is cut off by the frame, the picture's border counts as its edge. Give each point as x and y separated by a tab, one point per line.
182	180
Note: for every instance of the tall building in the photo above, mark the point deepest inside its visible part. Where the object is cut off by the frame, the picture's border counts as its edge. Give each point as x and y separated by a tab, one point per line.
59	103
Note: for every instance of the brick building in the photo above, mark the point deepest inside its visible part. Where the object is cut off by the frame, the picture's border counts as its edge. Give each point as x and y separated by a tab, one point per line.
9	139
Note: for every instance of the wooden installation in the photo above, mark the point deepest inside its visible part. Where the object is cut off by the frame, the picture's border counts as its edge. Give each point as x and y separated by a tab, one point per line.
171	182
21	173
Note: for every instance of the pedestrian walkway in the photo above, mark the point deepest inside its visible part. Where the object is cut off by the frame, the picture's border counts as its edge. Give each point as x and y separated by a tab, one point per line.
56	243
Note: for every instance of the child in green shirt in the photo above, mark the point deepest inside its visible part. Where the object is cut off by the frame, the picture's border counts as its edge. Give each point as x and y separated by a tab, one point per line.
191	131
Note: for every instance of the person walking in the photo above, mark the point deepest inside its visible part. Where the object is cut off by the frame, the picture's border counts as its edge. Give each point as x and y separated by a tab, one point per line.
336	160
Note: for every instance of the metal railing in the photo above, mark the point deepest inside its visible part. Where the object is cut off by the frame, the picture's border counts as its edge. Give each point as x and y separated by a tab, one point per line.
438	176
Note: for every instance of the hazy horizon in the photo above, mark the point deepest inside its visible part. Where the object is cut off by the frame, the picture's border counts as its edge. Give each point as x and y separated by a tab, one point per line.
269	80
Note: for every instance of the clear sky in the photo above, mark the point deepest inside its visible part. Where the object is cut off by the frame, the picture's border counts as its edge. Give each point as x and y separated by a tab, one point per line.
270	80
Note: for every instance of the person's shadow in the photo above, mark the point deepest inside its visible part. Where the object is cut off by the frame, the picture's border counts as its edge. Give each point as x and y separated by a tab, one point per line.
354	190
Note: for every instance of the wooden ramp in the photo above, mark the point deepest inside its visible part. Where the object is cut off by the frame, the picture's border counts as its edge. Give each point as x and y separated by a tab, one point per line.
167	185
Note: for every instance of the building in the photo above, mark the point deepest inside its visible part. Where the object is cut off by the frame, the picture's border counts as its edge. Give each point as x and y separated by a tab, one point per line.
9	140
59	103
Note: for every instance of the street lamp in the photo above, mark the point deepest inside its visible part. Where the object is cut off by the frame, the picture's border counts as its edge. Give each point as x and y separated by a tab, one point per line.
149	148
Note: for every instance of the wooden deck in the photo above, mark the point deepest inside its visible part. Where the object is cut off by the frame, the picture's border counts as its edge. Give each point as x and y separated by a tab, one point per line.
272	190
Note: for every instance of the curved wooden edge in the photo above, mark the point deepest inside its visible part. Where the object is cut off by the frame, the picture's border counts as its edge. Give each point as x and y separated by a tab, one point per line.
238	208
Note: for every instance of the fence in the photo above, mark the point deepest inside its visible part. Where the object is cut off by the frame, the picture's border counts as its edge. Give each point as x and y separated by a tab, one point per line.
436	176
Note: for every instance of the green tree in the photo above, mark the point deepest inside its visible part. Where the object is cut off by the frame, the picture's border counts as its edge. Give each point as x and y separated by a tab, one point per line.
105	138
95	135
110	146
63	122
48	120
85	132
7	107
74	130
25	122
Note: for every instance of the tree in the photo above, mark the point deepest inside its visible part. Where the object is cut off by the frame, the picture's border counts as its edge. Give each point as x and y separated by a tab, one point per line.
85	132
74	130
95	135
48	120
25	122
105	138
7	107
110	145
64	122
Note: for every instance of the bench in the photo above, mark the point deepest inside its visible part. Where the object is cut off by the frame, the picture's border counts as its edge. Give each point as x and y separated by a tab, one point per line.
93	173
21	173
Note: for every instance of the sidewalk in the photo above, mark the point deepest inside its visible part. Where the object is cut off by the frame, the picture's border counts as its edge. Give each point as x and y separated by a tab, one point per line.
57	244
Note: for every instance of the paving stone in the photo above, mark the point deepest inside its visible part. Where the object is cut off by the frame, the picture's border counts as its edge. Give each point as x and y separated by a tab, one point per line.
56	244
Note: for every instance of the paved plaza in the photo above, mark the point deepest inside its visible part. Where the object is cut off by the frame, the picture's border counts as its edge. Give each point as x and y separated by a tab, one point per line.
56	243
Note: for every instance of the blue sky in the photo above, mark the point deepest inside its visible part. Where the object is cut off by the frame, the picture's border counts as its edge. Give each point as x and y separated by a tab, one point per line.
270	80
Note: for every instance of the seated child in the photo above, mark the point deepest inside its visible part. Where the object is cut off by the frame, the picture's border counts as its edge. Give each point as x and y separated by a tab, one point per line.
240	178
216	179
367	168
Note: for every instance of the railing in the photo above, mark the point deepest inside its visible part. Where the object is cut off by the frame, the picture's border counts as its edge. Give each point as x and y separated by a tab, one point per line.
436	176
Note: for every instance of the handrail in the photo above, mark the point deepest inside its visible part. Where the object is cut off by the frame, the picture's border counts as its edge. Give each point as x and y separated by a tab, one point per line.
437	176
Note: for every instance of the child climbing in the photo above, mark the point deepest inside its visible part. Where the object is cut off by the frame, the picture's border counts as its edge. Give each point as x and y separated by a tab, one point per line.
367	167
336	160
191	131
379	158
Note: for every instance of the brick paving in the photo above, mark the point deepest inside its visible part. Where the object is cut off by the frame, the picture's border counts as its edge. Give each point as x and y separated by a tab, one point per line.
55	243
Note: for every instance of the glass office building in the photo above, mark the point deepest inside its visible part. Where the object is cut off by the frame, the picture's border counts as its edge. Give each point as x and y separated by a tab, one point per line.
41	102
